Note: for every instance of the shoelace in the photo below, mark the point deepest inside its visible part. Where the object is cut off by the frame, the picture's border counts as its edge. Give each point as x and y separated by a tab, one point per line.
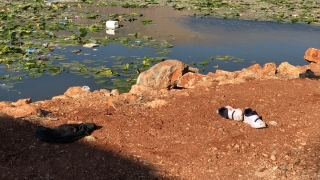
233	114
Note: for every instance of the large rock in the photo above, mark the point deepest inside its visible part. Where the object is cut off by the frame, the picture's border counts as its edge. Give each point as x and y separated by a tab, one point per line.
190	80
287	70
315	67
257	72
250	72
268	71
226	74
312	55
77	91
163	75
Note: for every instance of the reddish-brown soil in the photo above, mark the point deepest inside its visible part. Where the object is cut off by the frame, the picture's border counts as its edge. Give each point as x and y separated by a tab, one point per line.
183	139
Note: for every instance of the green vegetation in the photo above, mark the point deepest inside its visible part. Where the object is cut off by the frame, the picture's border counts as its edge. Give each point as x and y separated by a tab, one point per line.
30	30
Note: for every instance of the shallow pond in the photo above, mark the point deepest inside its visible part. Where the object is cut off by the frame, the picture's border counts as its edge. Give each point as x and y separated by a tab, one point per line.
205	43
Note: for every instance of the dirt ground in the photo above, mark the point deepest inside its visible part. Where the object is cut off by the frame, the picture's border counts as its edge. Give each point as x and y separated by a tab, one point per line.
183	139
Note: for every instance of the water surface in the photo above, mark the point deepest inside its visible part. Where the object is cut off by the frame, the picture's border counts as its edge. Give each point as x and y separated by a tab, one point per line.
194	41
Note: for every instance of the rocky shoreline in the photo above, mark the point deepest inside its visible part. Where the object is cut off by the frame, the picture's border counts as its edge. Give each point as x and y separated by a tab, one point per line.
173	132
166	76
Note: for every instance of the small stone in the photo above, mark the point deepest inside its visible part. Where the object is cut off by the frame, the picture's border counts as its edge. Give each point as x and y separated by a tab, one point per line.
273	123
273	157
90	138
303	143
261	169
265	155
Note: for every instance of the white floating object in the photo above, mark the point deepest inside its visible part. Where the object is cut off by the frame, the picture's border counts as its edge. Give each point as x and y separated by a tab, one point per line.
111	31
90	45
4	86
112	24
85	88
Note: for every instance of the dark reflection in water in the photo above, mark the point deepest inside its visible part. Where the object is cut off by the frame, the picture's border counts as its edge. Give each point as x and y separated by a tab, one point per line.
194	39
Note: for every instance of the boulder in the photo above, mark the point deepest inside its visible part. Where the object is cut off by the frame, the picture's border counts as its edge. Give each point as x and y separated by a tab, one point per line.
190	80
227	74
76	91
253	68
163	75
312	55
287	70
257	72
250	72
315	67
223	77
268	71
139	89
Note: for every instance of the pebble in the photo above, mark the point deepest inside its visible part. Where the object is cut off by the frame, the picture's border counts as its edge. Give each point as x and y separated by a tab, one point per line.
273	157
273	123
90	138
265	155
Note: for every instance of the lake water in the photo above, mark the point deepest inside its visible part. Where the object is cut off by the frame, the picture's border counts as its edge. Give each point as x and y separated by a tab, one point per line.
195	40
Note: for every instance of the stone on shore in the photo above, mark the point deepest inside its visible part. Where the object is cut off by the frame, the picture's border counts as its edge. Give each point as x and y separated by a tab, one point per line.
287	70
163	75
312	55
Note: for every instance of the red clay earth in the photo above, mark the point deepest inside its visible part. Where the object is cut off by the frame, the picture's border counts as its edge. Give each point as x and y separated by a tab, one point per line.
184	138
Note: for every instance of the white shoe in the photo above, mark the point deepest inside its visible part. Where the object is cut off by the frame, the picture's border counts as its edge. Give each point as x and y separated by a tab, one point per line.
230	113
252	118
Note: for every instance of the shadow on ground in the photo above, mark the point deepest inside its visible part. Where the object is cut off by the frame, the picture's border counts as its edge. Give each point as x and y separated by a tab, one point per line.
22	156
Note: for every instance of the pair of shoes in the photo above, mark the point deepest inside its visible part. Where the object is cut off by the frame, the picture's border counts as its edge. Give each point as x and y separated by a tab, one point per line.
249	116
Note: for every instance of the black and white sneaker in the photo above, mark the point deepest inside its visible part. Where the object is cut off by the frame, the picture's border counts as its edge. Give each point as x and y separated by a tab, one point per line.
230	113
251	117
